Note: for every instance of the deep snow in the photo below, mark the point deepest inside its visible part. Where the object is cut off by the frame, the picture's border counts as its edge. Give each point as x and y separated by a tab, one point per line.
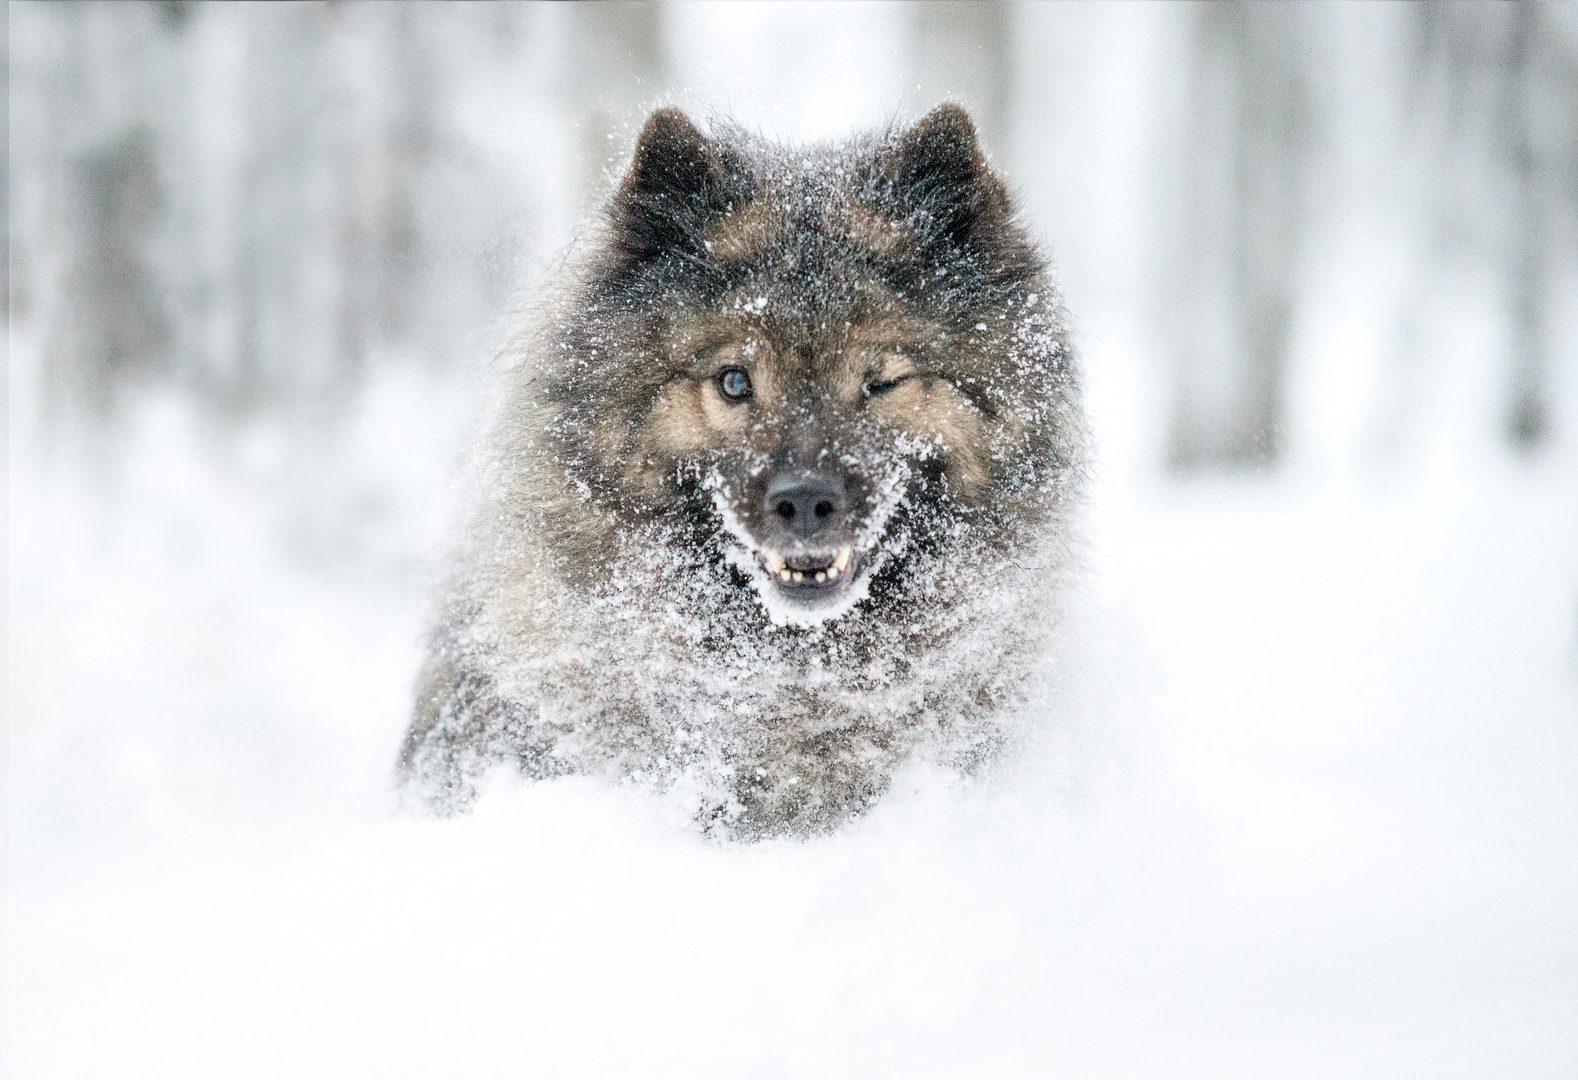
1307	805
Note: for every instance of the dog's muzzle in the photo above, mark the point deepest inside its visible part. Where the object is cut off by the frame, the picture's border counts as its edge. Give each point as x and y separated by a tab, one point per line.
808	549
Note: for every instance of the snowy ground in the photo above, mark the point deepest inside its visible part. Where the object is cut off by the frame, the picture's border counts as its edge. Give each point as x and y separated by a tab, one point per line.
1311	810
1308	806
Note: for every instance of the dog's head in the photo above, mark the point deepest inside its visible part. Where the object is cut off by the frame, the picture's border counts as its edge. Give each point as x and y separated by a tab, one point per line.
815	366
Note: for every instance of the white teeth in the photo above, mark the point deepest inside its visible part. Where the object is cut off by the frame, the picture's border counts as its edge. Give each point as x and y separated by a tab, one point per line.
777	567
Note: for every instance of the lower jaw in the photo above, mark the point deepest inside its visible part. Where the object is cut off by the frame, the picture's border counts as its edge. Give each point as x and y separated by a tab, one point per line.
812	595
807	602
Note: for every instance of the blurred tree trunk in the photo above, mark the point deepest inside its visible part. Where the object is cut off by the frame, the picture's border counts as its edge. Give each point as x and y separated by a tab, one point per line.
5	180
1528	418
1236	267
1505	79
962	54
119	329
617	67
280	230
107	322
309	208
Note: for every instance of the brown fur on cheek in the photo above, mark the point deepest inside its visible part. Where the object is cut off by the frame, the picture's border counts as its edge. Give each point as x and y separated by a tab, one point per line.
688	418
931	408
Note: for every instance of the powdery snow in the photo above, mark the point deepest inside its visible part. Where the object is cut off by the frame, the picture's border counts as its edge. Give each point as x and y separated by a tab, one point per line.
1305	808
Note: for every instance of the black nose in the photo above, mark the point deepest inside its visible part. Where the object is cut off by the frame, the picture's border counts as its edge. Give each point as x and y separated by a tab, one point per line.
803	504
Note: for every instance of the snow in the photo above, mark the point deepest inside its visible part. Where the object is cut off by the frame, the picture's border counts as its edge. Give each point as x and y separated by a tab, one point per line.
1305	809
1306	805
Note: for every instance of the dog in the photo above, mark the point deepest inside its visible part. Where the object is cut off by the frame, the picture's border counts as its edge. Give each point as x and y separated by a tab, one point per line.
780	491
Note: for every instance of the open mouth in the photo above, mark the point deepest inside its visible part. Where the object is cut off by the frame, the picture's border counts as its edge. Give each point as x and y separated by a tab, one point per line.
810	574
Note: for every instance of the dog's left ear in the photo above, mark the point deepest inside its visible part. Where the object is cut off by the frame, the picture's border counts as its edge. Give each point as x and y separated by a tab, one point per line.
676	185
938	179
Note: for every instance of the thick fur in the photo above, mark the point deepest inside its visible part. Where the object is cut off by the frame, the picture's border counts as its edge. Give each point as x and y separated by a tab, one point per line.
614	611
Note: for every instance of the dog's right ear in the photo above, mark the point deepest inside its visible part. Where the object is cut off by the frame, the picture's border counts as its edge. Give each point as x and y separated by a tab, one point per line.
675	187
940	180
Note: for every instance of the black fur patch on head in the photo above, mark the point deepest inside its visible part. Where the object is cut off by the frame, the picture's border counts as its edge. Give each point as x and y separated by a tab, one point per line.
940	177
679	183
962	249
934	179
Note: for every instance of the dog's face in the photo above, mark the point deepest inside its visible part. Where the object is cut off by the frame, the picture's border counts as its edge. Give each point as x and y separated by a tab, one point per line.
815	368
814	437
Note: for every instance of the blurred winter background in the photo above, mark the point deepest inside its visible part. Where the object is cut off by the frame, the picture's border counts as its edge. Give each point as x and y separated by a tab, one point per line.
1309	801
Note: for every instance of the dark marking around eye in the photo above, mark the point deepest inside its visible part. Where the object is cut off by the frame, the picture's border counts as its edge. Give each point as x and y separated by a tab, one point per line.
733	383
872	389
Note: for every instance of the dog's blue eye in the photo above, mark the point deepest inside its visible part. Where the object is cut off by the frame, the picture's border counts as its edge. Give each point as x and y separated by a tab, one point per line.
734	384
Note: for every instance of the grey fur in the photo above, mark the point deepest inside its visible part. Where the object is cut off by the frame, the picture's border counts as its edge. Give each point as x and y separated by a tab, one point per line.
603	619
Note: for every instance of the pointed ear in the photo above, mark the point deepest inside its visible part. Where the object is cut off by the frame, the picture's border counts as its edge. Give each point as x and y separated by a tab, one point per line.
940	180
675	186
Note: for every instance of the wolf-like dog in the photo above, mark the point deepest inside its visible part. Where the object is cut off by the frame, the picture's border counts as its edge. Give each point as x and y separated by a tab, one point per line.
779	492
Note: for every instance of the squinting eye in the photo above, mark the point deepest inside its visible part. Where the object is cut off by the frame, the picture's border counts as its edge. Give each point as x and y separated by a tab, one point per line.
875	388
734	383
